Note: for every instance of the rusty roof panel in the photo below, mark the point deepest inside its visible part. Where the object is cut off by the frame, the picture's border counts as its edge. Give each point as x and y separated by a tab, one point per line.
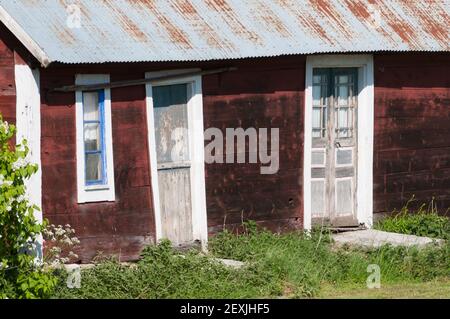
182	30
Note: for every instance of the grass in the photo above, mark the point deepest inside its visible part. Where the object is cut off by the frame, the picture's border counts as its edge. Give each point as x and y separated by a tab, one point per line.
424	222
164	273
436	289
293	265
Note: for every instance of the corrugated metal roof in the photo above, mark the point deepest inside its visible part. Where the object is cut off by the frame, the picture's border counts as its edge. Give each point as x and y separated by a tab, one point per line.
180	30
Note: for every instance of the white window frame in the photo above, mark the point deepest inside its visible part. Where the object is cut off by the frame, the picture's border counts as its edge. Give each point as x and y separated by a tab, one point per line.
364	183
94	193
196	146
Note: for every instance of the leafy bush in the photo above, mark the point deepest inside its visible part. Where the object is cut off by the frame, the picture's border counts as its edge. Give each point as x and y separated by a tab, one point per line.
20	276
424	222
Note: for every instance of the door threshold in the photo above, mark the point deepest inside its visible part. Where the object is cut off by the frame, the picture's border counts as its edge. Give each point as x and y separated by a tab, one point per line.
346	229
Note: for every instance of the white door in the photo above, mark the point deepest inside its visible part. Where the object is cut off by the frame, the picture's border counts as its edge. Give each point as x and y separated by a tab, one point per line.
176	147
334	146
173	140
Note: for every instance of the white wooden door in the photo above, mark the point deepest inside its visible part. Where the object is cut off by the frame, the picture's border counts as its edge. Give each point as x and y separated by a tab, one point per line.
334	146
170	105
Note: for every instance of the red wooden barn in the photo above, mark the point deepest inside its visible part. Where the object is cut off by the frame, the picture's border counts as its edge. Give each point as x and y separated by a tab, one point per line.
174	119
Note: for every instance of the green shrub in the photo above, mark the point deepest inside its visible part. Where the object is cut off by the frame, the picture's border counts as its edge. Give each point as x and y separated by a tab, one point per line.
424	222
20	276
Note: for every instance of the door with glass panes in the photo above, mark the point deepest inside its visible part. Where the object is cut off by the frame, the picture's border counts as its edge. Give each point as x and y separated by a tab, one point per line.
334	146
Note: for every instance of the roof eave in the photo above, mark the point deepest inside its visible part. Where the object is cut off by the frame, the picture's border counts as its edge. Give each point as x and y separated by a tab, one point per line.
24	38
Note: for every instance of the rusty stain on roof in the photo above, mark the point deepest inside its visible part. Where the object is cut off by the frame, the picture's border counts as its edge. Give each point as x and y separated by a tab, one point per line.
176	35
306	20
187	30
358	8
126	23
236	24
272	21
325	7
190	13
438	31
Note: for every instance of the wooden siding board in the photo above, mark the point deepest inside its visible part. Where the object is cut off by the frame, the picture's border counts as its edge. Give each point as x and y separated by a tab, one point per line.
7	82
268	94
412	130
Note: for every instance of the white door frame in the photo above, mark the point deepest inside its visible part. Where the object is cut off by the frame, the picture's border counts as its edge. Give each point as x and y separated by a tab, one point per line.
365	126
196	140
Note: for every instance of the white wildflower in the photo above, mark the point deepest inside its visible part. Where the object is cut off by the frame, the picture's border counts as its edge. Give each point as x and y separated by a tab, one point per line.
4	127
21	198
4	182
19	164
55	250
59	232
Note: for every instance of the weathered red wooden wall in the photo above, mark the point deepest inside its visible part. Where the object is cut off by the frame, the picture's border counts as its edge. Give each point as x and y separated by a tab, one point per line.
7	83
122	227
264	93
412	130
261	93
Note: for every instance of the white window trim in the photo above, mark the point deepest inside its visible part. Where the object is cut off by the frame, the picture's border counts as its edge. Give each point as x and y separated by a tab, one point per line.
364	188
195	119
96	193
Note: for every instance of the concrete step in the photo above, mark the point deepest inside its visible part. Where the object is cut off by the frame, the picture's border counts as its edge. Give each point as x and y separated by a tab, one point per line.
371	238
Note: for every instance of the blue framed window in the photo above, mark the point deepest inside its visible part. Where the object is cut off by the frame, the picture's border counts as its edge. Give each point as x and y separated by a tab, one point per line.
94	137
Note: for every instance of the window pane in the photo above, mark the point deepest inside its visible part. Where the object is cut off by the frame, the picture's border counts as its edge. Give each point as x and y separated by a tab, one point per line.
317	123
343	116
316	79
318	157
343	95
92	137
316	95
316	133
343	79
318	197
90	106
344	195
344	157
93	167
171	123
